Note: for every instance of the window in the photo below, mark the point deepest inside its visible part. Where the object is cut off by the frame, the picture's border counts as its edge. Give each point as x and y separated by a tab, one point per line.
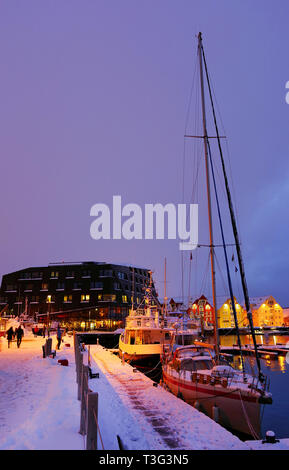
67	298
85	298
60	286
25	275
109	298
50	299
54	275
96	285
77	285
105	273
34	299
11	288
44	286
116	286
124	299
37	275
69	275
86	274
28	287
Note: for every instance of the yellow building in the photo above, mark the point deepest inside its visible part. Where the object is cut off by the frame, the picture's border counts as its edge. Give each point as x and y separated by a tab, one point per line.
266	311
226	316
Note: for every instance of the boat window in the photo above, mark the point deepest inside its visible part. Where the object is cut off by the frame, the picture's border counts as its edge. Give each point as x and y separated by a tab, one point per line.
185	340
187	364
203	364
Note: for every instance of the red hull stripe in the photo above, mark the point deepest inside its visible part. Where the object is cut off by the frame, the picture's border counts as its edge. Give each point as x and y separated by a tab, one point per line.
208	391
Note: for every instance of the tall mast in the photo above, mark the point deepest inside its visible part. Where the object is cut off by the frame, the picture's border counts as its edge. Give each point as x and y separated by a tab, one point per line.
234	225
205	137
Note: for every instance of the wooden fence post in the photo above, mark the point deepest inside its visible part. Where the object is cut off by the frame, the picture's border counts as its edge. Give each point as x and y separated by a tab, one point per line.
80	365
92	421
48	346
84	392
77	359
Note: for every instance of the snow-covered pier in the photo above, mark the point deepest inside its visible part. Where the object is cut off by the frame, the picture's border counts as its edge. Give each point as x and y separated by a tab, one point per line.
146	416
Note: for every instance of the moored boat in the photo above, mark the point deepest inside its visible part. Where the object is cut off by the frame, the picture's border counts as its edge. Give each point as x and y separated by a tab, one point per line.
199	374
146	331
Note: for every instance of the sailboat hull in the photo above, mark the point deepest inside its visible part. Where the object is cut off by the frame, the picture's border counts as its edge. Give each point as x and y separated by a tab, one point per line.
237	410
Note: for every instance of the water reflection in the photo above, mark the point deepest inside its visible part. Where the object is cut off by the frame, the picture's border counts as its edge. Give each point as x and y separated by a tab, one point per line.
275	416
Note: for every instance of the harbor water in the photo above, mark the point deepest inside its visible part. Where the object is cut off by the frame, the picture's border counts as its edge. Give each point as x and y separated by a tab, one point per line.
275	416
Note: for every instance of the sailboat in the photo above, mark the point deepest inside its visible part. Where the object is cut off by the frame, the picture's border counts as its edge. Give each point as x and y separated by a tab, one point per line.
197	373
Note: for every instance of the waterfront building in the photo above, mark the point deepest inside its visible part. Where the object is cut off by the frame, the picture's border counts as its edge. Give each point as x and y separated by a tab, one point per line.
286	316
84	295
226	316
202	309
266	311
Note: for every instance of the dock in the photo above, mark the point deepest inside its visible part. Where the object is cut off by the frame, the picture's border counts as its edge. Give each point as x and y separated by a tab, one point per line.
146	416
263	351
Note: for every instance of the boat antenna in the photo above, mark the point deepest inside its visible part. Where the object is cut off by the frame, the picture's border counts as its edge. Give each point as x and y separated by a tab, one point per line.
132	301
233	220
165	291
212	255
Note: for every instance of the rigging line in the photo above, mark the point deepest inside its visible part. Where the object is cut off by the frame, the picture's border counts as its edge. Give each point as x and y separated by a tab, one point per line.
205	276
226	259
183	177
228	151
221	275
235	230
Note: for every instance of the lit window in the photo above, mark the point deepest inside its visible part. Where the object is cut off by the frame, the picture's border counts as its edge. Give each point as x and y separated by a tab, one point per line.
54	274
85	298
124	299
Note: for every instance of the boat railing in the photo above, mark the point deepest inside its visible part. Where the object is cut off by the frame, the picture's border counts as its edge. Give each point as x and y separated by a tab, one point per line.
142	322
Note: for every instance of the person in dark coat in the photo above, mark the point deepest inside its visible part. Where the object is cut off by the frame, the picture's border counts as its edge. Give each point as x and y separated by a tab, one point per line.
58	336
19	334
10	335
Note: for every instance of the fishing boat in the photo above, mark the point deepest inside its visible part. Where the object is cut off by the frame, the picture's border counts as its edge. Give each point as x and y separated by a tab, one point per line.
197	372
146	331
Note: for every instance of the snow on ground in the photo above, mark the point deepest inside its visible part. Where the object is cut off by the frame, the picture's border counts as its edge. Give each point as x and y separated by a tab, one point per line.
38	397
149	417
283	444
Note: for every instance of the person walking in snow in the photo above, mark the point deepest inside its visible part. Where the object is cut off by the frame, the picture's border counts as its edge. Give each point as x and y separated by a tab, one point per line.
10	335
19	335
59	336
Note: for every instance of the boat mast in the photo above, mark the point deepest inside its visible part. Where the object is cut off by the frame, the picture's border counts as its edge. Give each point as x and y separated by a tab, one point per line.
234	227
205	137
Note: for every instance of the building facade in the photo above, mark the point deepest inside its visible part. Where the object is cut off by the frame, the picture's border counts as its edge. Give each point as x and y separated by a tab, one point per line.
202	309
226	315
266	311
87	295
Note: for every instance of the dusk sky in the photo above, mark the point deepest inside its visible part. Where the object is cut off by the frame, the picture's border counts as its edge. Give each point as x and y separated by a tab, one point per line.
94	102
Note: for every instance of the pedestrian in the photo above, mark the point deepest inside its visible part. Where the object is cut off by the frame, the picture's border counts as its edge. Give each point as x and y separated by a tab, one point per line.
58	335
19	334
44	331
10	335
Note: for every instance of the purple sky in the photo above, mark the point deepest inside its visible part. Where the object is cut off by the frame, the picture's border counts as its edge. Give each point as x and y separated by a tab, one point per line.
94	96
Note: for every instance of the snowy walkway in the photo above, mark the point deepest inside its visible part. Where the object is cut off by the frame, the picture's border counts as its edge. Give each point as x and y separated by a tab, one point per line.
38	398
148	417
